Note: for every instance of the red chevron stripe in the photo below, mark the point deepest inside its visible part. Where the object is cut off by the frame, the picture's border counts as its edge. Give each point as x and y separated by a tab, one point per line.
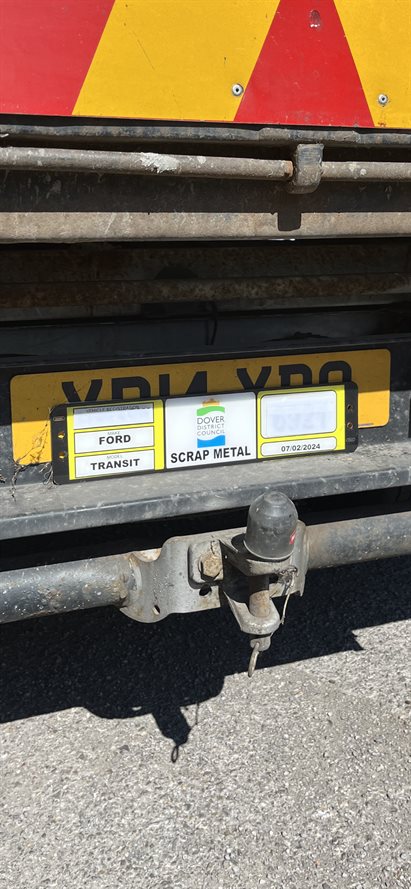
46	47
305	73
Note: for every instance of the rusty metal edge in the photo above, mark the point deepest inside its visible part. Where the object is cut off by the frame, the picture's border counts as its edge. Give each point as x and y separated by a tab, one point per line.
107	129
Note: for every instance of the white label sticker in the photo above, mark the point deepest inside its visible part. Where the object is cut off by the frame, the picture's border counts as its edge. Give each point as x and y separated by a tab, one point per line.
113	439
312	445
107	464
298	413
210	429
112	415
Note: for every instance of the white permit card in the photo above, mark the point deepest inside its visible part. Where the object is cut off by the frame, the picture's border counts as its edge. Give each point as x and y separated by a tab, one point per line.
202	430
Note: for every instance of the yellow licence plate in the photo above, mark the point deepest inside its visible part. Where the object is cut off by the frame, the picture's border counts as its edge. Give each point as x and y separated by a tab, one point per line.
33	396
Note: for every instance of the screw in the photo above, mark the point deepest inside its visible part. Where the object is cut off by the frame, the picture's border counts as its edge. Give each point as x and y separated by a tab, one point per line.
383	98
237	89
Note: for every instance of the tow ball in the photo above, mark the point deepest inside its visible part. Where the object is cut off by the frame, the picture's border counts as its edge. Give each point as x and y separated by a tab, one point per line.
272	556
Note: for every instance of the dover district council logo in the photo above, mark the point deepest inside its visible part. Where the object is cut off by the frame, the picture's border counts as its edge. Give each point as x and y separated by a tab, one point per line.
210	424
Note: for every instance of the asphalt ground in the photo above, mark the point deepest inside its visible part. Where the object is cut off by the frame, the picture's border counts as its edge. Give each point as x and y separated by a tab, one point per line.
143	756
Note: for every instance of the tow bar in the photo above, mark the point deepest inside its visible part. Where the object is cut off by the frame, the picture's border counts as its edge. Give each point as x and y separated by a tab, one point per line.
248	568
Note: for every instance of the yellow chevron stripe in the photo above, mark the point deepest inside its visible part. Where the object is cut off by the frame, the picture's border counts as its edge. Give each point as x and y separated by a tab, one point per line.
379	35
175	58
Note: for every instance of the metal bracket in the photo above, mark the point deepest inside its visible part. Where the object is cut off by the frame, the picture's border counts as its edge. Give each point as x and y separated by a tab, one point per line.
307	173
207	559
226	561
249	623
239	556
258	615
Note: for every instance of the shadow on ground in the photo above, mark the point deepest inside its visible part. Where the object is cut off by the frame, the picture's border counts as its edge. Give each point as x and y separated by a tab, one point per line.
121	669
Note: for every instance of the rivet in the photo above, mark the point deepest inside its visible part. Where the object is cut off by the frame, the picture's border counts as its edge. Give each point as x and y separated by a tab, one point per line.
237	89
383	99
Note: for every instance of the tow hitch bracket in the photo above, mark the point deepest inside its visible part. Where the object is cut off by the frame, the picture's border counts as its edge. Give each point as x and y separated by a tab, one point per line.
268	560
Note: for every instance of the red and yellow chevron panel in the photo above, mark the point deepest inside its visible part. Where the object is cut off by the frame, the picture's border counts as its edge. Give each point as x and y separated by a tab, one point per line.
339	63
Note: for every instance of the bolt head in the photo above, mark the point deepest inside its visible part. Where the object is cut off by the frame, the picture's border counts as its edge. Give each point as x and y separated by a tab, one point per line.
383	99
210	565
237	89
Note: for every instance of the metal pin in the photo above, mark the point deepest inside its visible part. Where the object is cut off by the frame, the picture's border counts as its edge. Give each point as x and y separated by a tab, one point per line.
253	659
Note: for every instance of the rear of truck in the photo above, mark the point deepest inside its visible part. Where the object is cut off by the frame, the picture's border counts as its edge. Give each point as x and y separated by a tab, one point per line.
204	299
